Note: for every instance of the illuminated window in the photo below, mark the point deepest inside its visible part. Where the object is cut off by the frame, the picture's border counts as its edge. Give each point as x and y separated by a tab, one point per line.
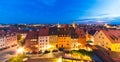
99	37
102	37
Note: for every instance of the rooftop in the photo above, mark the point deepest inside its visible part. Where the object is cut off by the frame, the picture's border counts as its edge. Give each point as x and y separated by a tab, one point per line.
113	35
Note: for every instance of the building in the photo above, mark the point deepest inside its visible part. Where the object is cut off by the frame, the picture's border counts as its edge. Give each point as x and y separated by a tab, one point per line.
81	37
73	25
64	37
43	39
2	42
74	42
31	41
108	39
8	40
53	37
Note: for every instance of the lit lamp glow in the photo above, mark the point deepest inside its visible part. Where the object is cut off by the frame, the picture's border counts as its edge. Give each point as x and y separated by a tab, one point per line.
59	59
49	46
20	50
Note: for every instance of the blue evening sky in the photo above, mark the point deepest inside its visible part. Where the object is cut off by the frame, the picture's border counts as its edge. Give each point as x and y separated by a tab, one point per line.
54	11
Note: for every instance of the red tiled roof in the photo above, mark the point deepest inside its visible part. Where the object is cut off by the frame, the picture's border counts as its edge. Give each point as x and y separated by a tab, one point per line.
44	32
112	35
32	35
80	32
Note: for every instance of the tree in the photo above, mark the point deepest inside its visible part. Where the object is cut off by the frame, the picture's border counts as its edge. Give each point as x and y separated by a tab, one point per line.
19	37
20	40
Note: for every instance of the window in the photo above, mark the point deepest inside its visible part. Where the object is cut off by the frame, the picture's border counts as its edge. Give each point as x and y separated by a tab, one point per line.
99	37
40	40
102	37
106	43
102	45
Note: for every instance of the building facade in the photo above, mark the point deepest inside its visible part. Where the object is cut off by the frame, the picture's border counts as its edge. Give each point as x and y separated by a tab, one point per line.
31	41
81	37
108	39
64	37
8	40
43	40
74	42
53	37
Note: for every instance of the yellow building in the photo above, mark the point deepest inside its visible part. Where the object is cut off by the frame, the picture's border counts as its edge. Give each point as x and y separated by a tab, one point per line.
53	37
64	38
53	41
64	41
109	39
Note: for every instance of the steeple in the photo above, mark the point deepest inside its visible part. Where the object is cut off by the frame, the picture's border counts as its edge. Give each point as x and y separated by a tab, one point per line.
58	25
73	24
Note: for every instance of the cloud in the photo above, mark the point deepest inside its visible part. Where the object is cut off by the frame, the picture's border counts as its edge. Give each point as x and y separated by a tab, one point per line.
105	16
105	10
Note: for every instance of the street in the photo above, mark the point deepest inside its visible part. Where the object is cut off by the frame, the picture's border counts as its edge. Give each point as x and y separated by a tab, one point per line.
50	57
7	53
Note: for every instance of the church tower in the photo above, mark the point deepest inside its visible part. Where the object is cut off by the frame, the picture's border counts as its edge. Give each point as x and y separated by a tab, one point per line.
73	24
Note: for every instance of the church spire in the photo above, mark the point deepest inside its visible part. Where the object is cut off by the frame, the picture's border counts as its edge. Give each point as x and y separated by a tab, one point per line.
58	25
73	24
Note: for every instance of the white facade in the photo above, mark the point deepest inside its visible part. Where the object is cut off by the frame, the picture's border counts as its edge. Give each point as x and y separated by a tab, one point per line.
43	42
8	40
2	42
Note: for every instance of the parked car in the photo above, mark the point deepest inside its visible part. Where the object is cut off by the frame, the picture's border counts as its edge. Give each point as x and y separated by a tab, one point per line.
61	49
39	52
28	53
55	51
46	51
34	52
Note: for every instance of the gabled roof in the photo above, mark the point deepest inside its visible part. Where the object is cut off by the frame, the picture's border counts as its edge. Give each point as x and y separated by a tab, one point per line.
80	33
44	32
112	35
32	35
53	31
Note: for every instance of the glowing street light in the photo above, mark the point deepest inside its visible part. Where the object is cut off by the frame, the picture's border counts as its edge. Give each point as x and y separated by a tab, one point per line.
60	59
50	46
20	50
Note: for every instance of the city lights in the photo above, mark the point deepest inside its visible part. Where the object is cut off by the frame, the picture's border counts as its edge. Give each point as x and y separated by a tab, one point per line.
20	50
59	59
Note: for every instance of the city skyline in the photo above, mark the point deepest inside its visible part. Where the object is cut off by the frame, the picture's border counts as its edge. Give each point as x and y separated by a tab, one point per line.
62	11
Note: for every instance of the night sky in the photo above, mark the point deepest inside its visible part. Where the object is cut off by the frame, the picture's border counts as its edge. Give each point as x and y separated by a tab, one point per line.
62	11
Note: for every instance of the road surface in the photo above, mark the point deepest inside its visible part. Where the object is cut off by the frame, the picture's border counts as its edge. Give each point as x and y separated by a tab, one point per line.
7	53
50	57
